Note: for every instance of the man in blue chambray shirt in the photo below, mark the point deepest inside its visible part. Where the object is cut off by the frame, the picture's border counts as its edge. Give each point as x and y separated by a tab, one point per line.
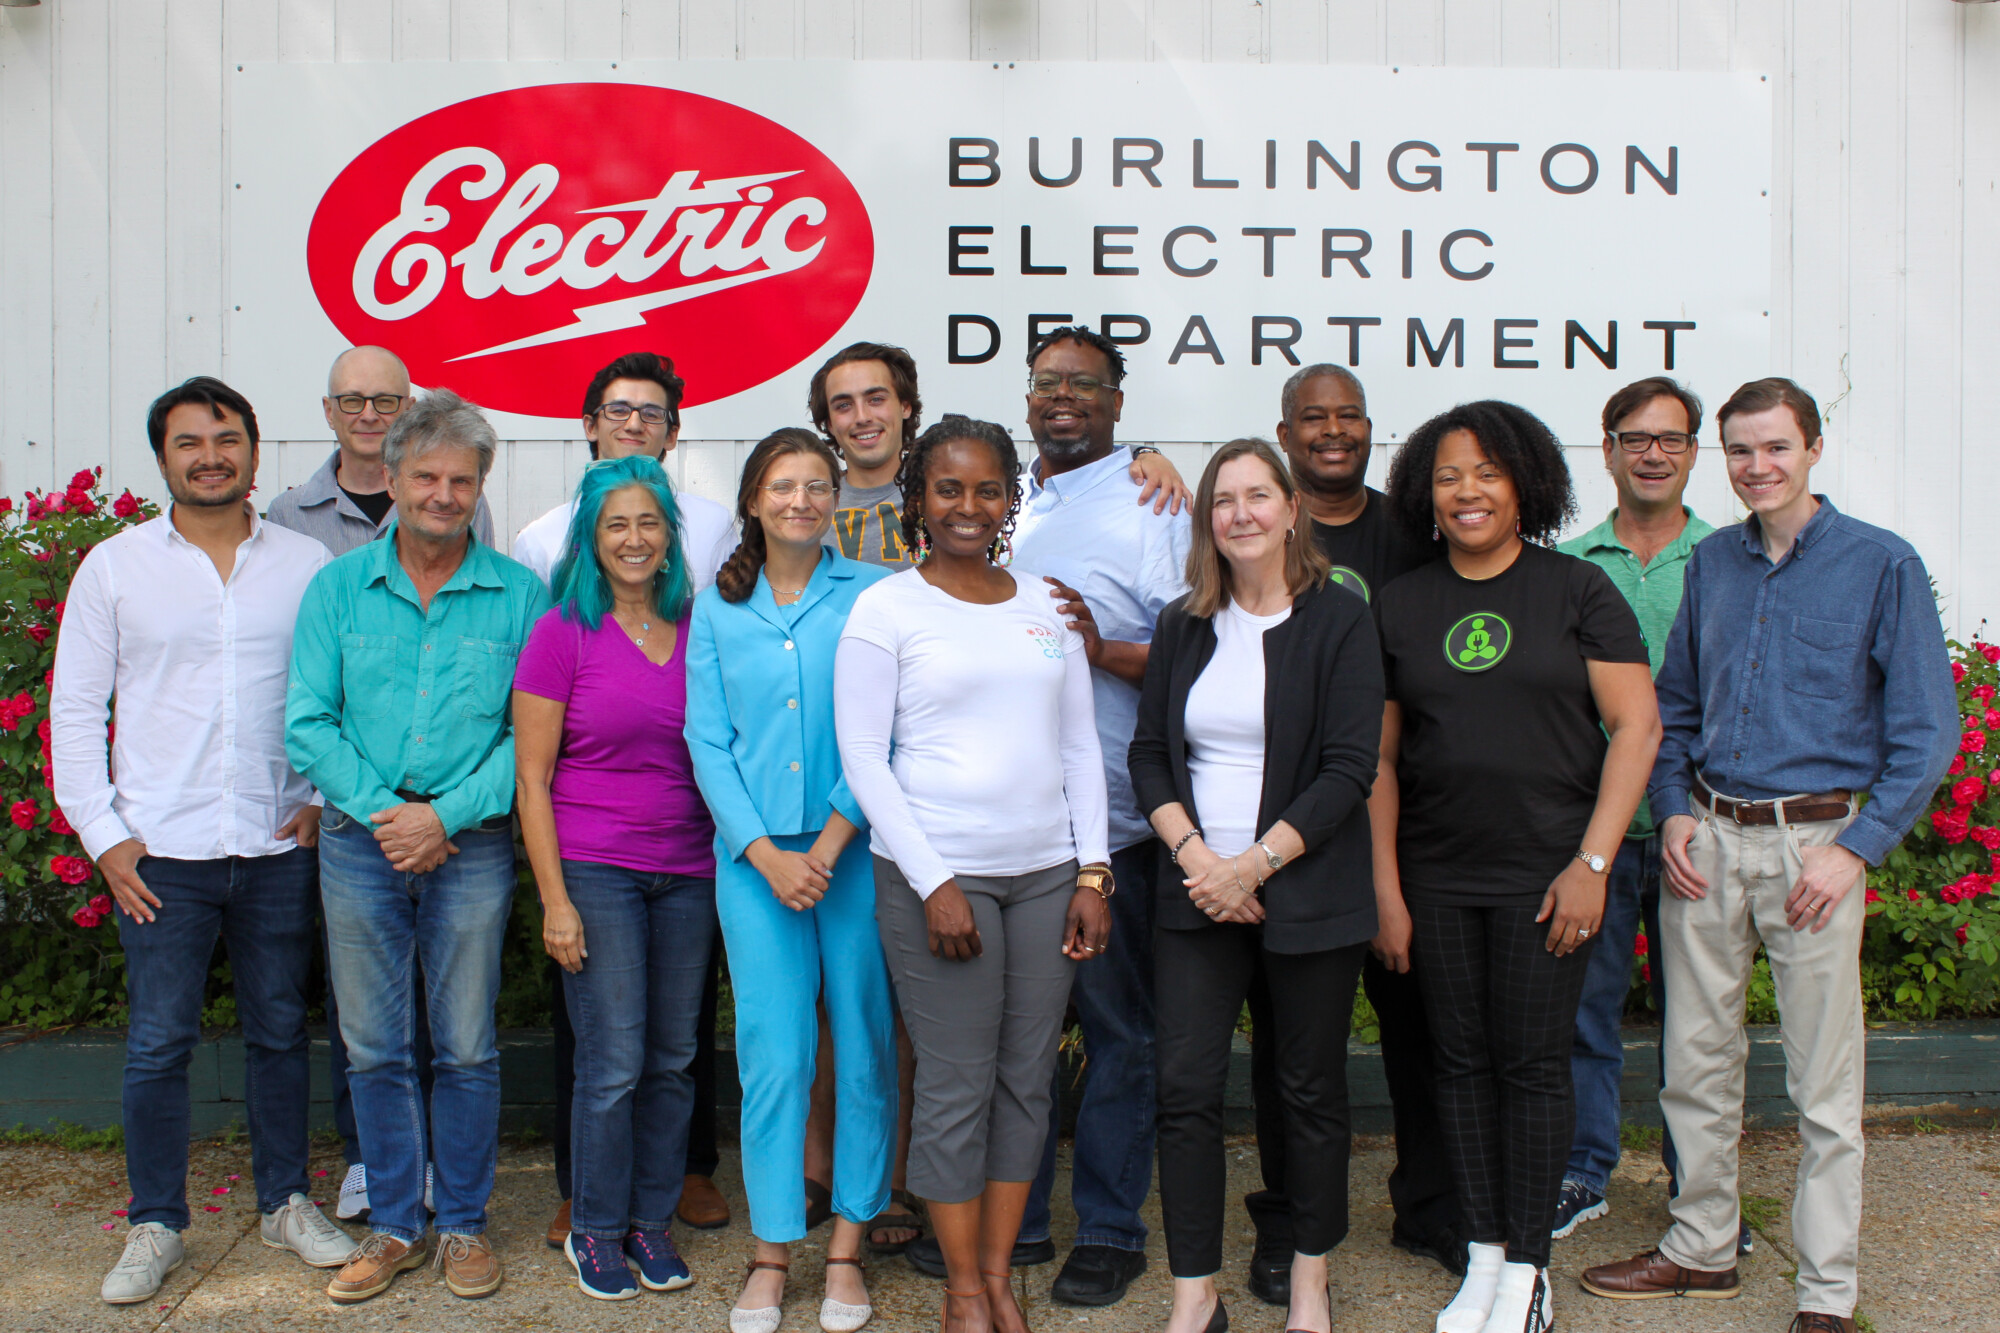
1082	527
1806	666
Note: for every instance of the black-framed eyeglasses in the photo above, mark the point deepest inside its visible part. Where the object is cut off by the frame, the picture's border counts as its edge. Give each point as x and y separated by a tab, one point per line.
785	488
1048	385
619	410
385	404
1639	441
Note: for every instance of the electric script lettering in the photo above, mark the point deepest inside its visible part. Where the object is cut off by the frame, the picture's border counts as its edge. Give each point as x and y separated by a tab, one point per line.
1295	255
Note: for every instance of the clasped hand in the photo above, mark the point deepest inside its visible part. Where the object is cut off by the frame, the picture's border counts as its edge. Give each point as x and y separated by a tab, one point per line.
412	836
1218	888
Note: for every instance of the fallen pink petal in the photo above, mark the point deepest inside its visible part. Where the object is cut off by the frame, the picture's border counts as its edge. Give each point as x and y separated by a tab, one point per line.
211	1207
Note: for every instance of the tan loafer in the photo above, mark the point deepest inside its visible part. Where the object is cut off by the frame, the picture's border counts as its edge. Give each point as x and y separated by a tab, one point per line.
1652	1276
702	1205
470	1267
373	1267
559	1226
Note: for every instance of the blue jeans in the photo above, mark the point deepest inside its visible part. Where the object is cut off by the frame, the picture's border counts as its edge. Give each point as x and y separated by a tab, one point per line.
336	1064
382	926
635	1007
1597	1058
262	906
1112	1168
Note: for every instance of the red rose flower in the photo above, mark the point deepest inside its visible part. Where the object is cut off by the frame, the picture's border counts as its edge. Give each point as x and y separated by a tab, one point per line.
43	557
1958	672
59	825
40	634
1989	838
1640	946
1992	718
1961	934
1951	825
1972	742
69	869
24	813
1956	766
101	904
1874	897
86	918
85	478
6	504
1983	693
1915	896
55	504
48	777
1646	973
1989	651
1968	791
125	505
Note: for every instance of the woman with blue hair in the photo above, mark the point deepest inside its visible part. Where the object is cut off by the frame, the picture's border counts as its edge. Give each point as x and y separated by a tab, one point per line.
620	844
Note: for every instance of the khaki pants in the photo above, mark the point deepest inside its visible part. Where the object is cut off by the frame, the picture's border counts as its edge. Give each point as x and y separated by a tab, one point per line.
1710	945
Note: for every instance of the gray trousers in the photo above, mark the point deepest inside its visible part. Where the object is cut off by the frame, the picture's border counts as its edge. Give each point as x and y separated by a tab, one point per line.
985	1030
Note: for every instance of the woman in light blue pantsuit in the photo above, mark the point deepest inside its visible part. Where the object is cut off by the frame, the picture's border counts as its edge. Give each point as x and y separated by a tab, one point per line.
794	886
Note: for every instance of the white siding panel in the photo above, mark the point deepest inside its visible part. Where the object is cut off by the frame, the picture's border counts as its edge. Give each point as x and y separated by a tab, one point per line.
114	200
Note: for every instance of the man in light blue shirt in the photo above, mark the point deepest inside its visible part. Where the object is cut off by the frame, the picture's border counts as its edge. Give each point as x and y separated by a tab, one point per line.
1117	565
397	710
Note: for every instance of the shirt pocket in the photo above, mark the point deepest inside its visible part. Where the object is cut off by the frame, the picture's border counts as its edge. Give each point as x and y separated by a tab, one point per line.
367	675
1822	658
485	677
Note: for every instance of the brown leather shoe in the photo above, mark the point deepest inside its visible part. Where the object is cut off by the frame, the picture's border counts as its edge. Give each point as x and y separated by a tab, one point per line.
470	1267
702	1204
1812	1321
1652	1276
373	1267
559	1227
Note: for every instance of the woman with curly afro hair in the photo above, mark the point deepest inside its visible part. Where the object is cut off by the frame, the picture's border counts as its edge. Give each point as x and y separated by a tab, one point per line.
1518	735
968	735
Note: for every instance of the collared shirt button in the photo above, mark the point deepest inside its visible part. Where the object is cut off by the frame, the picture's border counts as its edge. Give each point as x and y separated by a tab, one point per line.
1762	619
788	645
795	765
791	703
1746	710
427	647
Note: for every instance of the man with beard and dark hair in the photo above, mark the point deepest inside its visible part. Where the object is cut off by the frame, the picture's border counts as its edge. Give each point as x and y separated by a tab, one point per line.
1326	434
181	631
1114	566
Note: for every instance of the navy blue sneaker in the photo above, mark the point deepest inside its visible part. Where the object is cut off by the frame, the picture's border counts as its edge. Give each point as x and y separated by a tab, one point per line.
600	1268
1744	1242
1577	1204
659	1265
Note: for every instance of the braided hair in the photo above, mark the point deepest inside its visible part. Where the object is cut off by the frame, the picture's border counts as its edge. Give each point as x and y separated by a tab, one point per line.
737	578
910	477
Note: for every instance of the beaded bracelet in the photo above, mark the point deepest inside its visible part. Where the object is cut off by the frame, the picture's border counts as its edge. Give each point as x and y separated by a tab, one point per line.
1191	833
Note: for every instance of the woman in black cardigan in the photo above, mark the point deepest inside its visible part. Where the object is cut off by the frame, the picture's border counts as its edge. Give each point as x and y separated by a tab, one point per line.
1254	754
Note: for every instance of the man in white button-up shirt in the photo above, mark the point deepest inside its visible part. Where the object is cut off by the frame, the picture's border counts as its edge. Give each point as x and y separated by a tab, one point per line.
180	629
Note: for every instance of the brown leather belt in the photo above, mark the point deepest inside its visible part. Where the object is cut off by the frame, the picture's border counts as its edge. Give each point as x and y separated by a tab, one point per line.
1810	809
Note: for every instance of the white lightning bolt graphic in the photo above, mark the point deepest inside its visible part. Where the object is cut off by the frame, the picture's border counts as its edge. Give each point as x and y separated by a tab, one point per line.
629	312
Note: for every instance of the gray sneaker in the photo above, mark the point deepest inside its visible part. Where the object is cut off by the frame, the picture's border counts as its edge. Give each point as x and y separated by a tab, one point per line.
152	1250
303	1229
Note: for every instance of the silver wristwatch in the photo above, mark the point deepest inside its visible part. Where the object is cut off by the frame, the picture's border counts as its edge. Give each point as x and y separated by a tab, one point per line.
1593	860
1271	858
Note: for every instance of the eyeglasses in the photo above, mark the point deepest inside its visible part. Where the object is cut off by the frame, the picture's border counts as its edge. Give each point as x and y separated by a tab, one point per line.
1047	386
650	413
786	488
386	404
1639	441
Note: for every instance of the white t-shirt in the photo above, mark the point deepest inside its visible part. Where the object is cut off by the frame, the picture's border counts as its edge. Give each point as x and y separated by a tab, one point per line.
708	535
987	710
1225	731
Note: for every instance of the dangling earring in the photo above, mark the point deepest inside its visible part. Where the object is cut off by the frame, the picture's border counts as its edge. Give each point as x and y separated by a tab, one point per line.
923	541
1517	527
1002	551
1436	536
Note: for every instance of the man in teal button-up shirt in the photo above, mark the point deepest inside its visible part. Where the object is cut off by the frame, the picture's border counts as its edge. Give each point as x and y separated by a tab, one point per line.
1644	545
397	710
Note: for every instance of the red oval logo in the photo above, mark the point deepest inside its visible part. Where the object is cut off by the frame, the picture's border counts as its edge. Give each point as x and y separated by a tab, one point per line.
508	246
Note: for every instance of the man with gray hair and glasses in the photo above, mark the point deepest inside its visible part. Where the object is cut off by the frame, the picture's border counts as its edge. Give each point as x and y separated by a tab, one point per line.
346	503
397	711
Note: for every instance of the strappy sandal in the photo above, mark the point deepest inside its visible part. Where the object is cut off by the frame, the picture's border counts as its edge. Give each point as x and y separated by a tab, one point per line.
902	1205
1008	1279
944	1315
838	1316
767	1319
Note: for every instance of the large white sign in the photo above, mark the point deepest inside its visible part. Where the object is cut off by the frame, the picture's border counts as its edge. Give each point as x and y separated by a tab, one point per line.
1450	234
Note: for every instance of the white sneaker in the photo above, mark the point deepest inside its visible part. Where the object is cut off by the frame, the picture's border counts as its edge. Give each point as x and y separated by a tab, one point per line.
353	1204
303	1229
1521	1302
1468	1310
152	1250
429	1207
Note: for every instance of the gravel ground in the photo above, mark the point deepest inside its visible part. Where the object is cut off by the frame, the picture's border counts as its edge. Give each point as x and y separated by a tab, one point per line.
1928	1250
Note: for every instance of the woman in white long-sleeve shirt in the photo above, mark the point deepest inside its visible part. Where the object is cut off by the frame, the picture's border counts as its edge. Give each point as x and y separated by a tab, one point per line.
993	797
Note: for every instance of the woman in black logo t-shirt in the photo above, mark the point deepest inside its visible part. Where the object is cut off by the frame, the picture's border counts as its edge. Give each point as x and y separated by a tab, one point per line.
1520	730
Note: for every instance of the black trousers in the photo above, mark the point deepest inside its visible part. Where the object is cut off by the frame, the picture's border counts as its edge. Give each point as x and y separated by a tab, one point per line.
1201	978
1503	1018
703	1157
1420	1188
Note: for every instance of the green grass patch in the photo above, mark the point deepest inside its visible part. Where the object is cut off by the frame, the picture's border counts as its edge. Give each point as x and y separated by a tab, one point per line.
71	1138
1760	1212
1638	1138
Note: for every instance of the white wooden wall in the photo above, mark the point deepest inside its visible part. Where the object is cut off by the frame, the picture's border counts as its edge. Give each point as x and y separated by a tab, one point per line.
1885	238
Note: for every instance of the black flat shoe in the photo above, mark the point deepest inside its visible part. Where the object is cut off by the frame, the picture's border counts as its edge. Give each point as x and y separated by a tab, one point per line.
1097	1275
1271	1260
926	1255
1218	1322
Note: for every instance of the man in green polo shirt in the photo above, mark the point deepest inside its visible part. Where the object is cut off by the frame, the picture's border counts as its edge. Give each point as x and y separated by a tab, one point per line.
1644	545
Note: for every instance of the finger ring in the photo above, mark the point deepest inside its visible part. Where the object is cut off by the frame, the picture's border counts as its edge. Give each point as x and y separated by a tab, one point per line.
1583	934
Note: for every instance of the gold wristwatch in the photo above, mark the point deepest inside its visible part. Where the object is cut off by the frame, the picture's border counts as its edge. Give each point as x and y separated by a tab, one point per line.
1097	879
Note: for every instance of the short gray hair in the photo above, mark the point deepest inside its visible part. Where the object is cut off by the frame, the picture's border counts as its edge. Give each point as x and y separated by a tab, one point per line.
439	419
1288	404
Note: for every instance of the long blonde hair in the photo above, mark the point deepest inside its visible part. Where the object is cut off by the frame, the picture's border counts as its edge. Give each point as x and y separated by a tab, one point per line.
1207	572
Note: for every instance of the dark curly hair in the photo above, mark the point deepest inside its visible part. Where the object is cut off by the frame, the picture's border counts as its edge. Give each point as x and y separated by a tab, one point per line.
1114	356
910	477
1513	438
737	578
902	378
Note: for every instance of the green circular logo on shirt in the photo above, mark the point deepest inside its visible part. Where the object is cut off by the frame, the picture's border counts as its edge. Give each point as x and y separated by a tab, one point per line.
1478	642
1344	577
